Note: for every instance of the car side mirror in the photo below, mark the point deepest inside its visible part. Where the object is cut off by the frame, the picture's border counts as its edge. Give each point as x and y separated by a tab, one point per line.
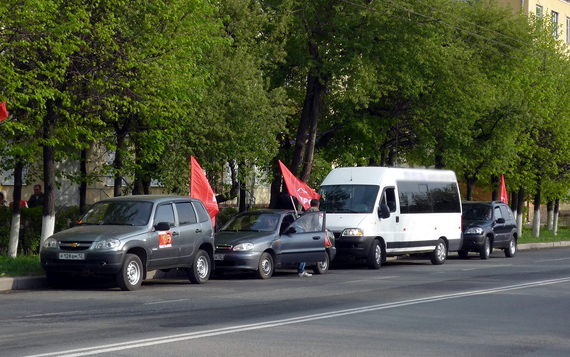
291	230
162	226
383	211
500	220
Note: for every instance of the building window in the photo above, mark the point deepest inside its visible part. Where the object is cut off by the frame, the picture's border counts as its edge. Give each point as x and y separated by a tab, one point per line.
555	24
539	11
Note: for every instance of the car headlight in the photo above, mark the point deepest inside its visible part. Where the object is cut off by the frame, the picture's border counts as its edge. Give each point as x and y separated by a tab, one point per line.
353	232
108	244
243	247
474	230
50	243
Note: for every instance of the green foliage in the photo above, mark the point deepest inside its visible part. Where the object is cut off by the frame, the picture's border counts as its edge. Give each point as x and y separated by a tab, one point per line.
20	266
31	226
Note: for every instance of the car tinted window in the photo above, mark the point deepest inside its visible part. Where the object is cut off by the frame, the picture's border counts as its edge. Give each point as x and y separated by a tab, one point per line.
477	211
164	213
348	198
186	214
506	212
202	213
498	213
118	213
309	222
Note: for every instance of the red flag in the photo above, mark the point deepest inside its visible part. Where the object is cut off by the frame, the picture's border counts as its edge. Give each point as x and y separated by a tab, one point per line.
3	111
298	188
200	188
504	196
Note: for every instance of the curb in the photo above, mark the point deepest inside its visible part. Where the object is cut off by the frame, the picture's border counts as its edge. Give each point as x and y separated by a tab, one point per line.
39	282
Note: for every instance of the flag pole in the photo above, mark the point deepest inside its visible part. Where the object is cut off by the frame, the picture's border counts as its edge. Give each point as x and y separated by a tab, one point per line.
294	205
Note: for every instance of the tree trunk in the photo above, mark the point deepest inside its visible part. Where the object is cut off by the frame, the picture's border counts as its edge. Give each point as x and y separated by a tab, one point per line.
495	183
48	219
549	214
514	203
470	182
316	86
520	210
83	185
16	216
536	217
118	162
556	214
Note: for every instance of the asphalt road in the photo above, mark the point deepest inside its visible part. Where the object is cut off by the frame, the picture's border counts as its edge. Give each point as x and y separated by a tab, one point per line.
497	307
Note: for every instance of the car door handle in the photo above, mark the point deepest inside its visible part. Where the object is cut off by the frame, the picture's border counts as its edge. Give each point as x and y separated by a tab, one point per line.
175	233
198	230
316	237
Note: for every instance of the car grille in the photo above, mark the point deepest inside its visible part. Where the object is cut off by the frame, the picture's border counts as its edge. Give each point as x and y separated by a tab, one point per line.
75	246
223	247
337	235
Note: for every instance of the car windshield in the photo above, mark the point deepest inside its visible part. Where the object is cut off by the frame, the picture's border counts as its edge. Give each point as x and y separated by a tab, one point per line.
253	221
477	212
348	198
118	213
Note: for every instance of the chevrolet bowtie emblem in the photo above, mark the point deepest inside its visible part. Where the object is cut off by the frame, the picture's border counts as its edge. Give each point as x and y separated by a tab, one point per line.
74	245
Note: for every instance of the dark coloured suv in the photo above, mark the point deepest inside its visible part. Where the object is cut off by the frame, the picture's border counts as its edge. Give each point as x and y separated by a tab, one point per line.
124	237
488	225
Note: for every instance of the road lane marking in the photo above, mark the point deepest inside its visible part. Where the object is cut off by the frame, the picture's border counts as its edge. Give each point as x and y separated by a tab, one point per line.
551	260
109	348
164	302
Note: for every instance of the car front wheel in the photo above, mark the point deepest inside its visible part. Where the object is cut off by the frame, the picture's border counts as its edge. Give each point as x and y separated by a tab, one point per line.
374	259
485	250
200	271
265	266
439	254
512	248
323	266
130	276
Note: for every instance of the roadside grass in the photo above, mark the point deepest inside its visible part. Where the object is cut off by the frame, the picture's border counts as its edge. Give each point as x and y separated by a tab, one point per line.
29	265
22	265
546	236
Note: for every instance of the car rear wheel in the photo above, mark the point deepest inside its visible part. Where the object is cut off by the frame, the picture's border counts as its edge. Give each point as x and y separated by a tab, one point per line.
374	259
439	254
265	266
485	250
512	248
200	271
323	266
130	276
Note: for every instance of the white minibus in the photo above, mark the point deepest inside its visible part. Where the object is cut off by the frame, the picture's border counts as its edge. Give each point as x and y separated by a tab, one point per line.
375	212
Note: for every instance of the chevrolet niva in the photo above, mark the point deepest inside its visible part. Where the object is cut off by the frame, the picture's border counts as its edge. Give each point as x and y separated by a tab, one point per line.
125	237
488	226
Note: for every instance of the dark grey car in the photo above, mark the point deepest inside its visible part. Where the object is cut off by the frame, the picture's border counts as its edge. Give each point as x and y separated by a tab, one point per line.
488	226
125	237
264	240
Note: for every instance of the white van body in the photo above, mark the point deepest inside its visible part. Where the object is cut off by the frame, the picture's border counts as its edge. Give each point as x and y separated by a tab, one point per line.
376	212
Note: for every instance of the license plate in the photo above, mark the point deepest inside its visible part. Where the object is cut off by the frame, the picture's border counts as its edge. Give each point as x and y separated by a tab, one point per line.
72	256
218	256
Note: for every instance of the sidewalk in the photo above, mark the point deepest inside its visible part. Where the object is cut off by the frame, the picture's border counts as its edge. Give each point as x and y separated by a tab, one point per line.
39	282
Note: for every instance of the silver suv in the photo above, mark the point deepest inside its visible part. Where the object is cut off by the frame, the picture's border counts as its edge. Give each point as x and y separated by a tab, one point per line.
125	237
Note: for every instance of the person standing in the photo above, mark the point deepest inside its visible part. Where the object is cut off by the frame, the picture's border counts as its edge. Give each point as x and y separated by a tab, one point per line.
3	201
315	204
37	198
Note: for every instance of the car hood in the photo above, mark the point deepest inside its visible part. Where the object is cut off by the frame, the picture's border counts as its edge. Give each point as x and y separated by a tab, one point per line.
467	223
98	233
337	222
236	237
